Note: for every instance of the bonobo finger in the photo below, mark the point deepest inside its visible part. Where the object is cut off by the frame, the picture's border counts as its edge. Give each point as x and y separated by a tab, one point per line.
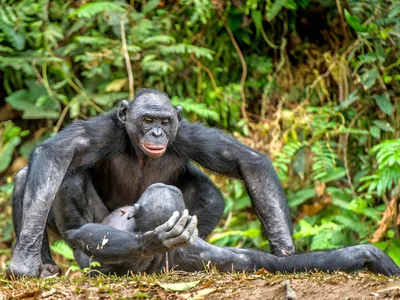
192	224
186	237
135	209
194	236
179	226
170	223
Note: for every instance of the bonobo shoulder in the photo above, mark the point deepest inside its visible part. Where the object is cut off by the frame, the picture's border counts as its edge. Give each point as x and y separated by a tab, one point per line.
91	139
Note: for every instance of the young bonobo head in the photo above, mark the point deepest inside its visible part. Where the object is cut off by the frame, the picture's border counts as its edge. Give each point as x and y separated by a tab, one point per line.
150	121
157	204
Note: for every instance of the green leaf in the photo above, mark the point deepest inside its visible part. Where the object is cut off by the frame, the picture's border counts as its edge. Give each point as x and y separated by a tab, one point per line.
368	78
301	196
7	151
89	10
375	132
354	22
63	249
384	104
179	287
385	126
336	174
275	9
150	6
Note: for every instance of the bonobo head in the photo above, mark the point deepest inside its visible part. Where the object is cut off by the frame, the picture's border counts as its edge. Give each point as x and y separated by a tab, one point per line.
158	203
150	121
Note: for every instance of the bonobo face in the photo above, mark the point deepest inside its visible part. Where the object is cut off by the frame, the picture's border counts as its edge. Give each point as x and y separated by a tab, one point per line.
150	121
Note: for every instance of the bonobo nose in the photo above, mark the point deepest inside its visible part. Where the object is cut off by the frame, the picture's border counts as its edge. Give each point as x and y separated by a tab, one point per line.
157	132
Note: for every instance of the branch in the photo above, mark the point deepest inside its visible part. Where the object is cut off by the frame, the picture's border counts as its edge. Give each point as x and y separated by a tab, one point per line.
126	54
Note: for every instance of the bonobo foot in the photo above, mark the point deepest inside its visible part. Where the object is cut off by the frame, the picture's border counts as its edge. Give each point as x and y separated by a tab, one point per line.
175	233
24	265
50	270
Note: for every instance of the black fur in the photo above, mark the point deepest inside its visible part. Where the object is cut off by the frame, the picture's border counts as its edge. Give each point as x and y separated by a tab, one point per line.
115	157
154	207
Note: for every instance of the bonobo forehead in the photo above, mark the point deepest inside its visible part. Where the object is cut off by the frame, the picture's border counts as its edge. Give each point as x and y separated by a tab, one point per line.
152	103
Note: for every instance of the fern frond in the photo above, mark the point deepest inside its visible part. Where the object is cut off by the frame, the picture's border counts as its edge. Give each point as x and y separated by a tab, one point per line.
89	10
158	39
200	109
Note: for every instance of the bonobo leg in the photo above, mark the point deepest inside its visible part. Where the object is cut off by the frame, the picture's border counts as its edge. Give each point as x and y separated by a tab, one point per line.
350	259
194	257
202	198
48	266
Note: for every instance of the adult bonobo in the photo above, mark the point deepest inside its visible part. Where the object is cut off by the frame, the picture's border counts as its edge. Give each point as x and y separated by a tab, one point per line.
115	157
149	216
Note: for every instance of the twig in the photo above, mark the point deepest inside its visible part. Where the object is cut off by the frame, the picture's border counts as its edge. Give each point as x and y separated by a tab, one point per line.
61	118
126	54
343	24
244	71
346	139
269	85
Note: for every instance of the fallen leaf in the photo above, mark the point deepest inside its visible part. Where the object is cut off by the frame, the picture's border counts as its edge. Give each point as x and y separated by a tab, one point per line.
389	287
199	295
179	287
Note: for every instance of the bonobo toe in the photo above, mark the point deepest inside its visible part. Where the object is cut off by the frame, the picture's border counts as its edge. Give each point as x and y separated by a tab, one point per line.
20	271
50	270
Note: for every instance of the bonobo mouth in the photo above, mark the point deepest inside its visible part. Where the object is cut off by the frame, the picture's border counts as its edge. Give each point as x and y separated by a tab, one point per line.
154	150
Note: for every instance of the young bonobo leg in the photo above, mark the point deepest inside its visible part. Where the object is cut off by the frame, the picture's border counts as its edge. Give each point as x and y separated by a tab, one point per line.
48	266
202	198
73	209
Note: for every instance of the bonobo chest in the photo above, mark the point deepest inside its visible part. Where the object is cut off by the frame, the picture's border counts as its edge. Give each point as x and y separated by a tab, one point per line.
122	179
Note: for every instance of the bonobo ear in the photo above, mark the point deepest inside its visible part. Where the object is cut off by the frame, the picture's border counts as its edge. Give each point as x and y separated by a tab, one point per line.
122	111
178	112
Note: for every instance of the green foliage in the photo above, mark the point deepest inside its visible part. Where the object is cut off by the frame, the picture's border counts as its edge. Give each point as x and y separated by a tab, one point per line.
10	139
330	100
387	175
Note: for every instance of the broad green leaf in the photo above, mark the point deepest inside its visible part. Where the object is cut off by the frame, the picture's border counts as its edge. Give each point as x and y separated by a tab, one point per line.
384	104
301	196
368	78
336	174
150	5
354	22
63	249
375	132
385	126
179	287
7	151
275	9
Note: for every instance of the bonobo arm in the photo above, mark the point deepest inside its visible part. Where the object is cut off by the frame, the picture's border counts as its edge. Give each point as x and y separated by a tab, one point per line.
108	244
74	147
221	153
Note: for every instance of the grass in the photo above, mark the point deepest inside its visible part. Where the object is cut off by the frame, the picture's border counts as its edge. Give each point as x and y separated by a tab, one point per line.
208	284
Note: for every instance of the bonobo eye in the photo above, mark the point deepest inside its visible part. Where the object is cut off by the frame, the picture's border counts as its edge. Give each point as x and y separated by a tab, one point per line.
148	120
166	121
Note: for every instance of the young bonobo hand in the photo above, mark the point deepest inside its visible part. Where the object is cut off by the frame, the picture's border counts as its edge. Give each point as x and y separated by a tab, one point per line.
177	232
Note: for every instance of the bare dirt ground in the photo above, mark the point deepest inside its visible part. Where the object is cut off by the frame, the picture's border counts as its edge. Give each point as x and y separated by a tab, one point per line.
205	285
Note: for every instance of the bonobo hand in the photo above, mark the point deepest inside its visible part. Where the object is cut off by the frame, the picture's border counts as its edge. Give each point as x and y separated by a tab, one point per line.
175	233
283	250
134	211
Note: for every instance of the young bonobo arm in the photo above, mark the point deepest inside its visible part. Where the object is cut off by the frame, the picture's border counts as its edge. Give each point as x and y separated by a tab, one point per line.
221	153
48	165
108	244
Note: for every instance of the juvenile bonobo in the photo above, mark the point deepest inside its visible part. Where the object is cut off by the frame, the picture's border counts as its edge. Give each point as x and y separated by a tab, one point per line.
114	158
150	216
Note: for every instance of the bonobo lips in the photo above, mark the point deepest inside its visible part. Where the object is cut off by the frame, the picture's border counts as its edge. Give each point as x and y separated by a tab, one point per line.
154	150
